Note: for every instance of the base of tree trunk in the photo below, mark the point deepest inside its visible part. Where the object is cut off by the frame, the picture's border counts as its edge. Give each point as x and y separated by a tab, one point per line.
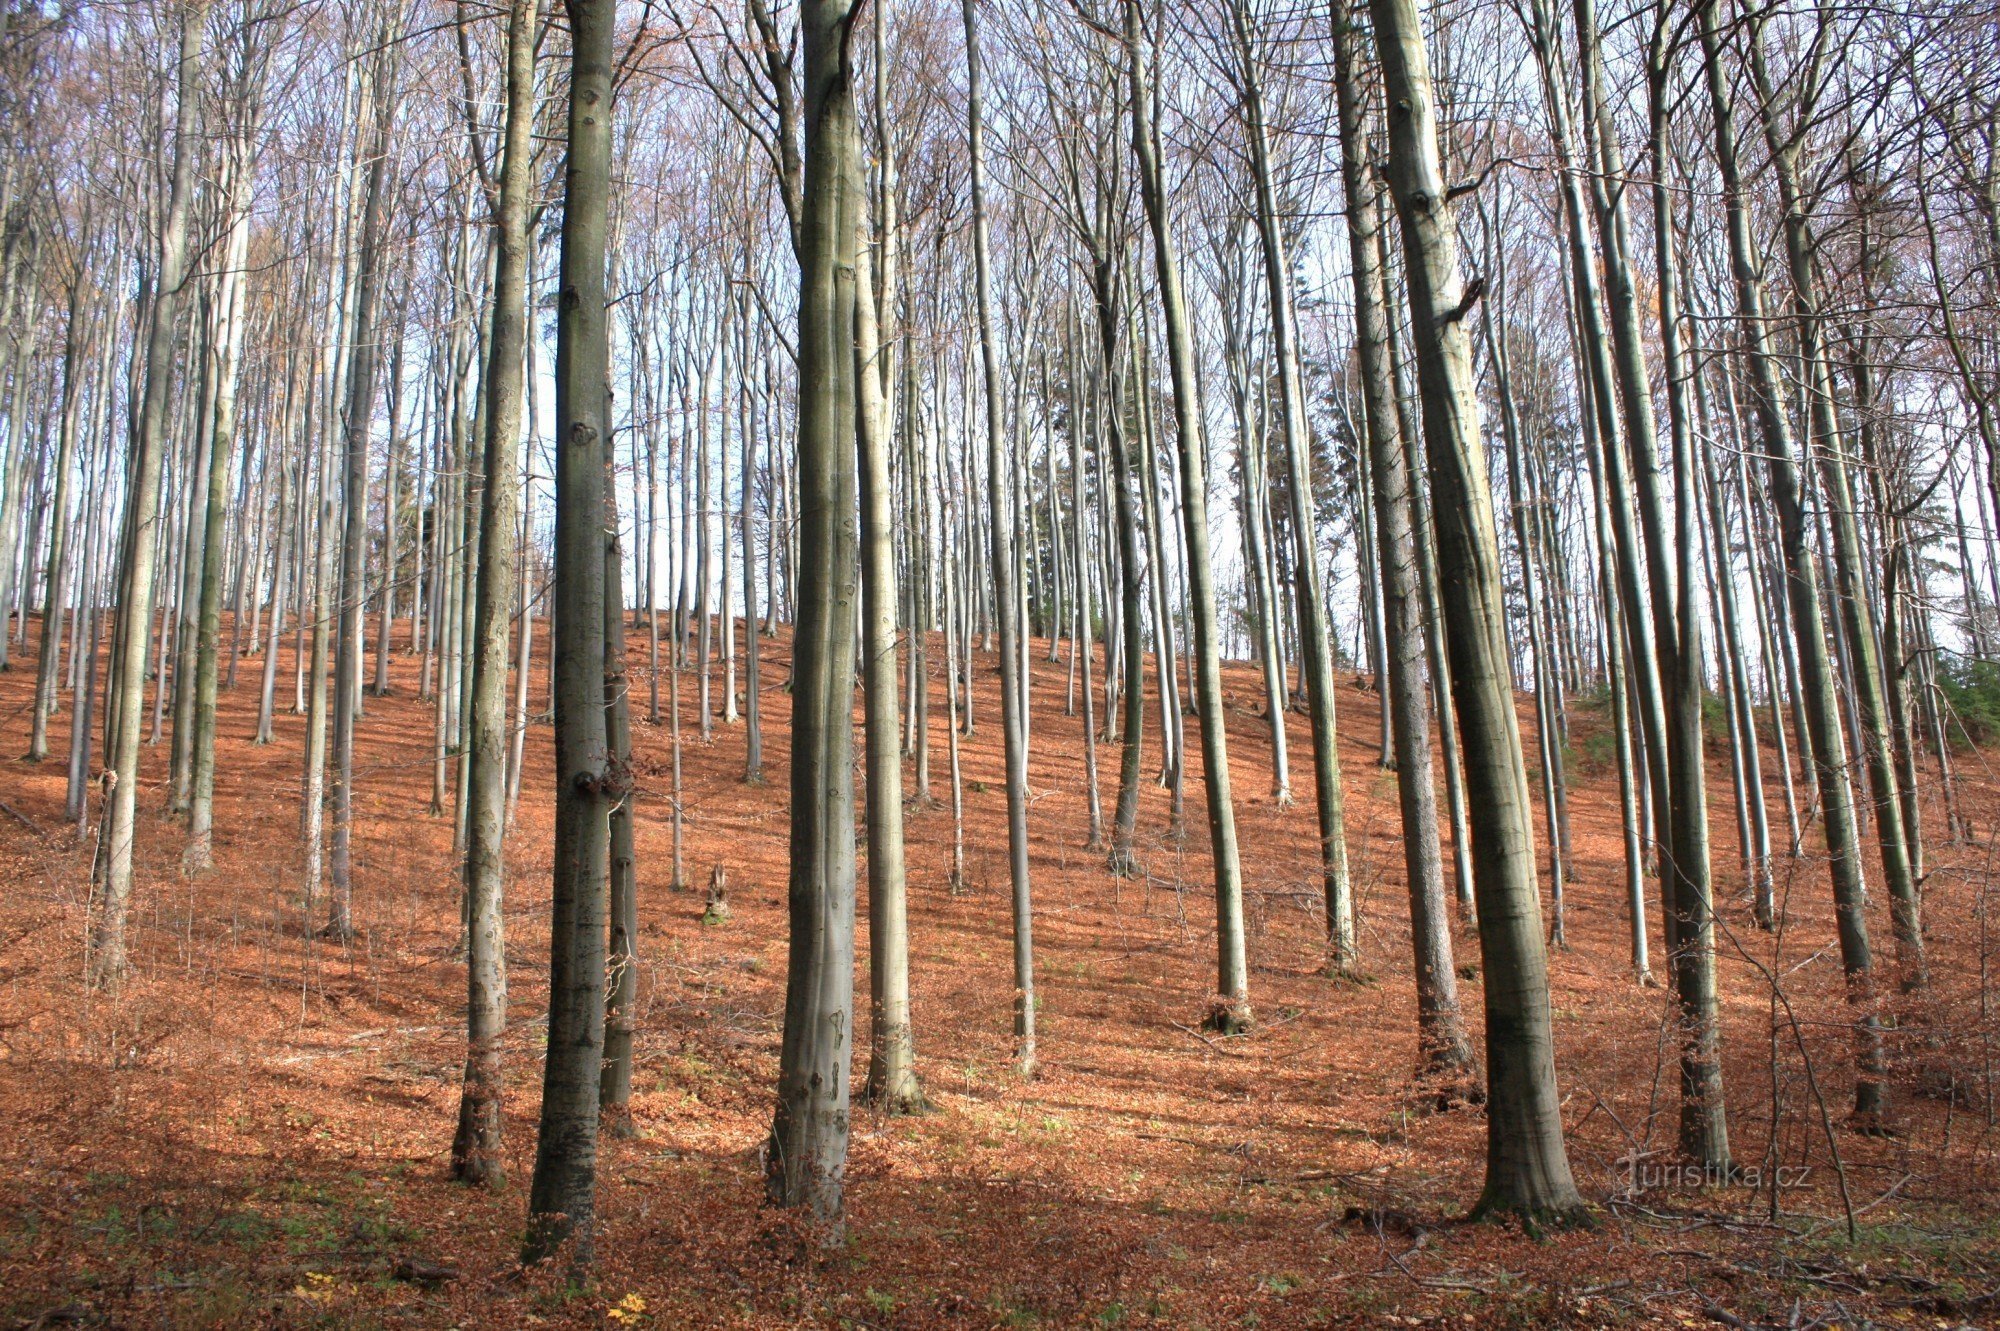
1347	972
552	1234
1227	1015
1536	1220
1873	1123
905	1101
1448	1079
475	1162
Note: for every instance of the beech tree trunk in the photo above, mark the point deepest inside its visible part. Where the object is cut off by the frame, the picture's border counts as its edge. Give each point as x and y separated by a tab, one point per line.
126	692
1442	1047
1815	674
805	1159
1527	1165
476	1147
892	1074
562	1199
1230	1010
1012	697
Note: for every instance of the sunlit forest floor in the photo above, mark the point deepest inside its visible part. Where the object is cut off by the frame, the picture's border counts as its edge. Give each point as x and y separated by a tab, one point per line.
254	1132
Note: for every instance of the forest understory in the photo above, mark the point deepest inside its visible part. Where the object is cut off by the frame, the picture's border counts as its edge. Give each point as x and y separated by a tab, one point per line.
255	1129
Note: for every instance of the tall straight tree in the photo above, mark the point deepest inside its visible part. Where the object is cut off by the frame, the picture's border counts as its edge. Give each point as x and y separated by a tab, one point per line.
357	428
892	1072
1315	642
127	689
475	1149
238	177
1443	1049
806	1156
1676	621
1013	697
1527	1164
1854	605
1231	1011
75	334
1815	674
562	1200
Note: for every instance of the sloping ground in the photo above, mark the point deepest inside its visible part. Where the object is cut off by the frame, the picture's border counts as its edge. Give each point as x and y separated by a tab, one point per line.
254	1131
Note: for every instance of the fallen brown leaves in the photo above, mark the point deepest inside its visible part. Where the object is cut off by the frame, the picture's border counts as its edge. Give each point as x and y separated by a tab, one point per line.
254	1131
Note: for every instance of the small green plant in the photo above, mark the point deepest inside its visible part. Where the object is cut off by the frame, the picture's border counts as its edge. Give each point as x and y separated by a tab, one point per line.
1972	688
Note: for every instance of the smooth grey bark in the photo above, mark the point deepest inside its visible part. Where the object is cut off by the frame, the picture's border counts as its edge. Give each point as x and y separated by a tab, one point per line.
753	673
1082	651
1259	583
1548	741
892	1073
621	998
476	1145
385	610
1315	646
23	455
187	473
126	691
1736	663
1815	675
1423	541
1104	281
1230	1010
562	1199
1671	565
805	1158
1854	599
1012	698
231	301
283	559
74	348
1442	1047
1158	560
1527	1165
717	370
357	423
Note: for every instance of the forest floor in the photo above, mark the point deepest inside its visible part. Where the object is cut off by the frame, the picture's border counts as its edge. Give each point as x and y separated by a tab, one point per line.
254	1131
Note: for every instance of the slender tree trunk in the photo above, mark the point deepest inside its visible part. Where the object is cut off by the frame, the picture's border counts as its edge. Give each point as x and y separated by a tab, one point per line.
1230	1010
1131	620
562	1199
135	605
892	1075
1527	1166
476	1156
805	1159
354	538
232	301
1442	1047
74	349
1012	696
1853	603
1815	669
621	998
1316	649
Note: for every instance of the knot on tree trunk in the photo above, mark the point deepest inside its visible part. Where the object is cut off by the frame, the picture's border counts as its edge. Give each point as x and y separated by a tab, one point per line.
613	781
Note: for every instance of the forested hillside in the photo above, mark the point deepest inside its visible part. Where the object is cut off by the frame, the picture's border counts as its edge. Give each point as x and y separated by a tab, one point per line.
888	663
